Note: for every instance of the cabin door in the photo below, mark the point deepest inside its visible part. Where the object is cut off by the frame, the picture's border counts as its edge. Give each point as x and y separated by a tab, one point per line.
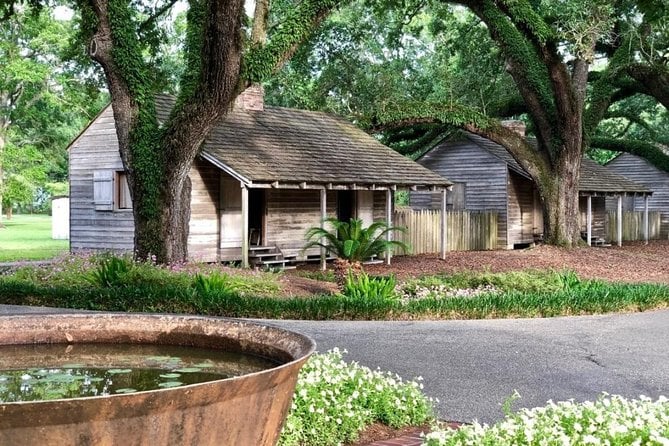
231	212
257	216
345	205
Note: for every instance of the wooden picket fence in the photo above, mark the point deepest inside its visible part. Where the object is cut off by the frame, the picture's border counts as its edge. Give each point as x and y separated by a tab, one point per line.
632	225
465	230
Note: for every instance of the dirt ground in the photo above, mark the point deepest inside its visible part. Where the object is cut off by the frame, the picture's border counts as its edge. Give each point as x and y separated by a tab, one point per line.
633	262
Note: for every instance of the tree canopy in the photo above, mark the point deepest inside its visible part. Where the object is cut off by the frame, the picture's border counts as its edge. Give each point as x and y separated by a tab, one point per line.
44	102
571	69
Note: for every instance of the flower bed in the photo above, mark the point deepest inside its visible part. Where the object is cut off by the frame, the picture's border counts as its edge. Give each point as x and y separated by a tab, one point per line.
611	420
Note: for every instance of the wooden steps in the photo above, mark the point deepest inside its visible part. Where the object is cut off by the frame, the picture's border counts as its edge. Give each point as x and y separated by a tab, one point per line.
270	257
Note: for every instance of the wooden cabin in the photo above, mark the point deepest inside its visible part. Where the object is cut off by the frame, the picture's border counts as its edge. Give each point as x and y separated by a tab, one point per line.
265	175
487	178
643	172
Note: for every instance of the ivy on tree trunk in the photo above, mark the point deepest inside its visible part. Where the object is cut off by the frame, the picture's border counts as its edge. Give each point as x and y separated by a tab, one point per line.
158	158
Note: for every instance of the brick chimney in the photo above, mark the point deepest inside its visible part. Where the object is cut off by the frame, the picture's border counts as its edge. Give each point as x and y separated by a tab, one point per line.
251	99
516	125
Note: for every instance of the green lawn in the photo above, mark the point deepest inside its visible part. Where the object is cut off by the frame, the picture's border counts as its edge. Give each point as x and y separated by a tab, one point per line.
28	237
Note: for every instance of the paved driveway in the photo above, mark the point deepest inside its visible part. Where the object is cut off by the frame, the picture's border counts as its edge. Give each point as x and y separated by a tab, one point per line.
473	366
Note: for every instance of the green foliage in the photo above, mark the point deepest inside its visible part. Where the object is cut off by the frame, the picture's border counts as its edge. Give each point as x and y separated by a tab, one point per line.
364	287
45	101
526	281
214	283
295	26
111	271
334	401
146	287
352	241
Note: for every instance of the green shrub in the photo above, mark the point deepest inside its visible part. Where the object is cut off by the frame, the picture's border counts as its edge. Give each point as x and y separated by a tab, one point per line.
111	271
364	287
214	283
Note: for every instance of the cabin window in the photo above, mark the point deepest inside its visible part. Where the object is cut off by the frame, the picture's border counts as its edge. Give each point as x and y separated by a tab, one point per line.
103	190
123	200
110	190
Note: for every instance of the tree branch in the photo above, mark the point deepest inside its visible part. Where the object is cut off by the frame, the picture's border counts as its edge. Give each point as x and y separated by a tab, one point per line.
651	152
146	24
260	15
264	60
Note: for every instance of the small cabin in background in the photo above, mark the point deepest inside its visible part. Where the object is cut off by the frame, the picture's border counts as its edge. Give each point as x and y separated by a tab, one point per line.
643	172
487	178
265	175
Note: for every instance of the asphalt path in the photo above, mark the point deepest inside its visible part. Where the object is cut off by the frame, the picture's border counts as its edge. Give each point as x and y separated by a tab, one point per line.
472	367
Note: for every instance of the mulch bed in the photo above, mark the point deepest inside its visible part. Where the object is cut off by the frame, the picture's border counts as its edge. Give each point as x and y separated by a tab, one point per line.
633	262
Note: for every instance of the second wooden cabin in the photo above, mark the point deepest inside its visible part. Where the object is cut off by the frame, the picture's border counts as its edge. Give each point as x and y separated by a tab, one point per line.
487	178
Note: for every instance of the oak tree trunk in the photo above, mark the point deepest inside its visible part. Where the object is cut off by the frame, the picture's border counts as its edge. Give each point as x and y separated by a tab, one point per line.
561	203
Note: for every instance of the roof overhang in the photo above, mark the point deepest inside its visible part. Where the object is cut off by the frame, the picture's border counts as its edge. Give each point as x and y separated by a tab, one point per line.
584	193
285	184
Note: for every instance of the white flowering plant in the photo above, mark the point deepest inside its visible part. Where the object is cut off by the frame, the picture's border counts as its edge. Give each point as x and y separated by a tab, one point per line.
335	400
611	420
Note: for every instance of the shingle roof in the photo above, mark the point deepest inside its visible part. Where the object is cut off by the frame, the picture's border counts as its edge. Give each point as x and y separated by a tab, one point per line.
594	177
597	178
295	146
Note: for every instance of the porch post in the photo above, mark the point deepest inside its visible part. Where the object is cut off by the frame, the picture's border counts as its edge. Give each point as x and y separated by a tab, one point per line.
324	195
646	227
620	220
389	221
245	227
589	221
443	224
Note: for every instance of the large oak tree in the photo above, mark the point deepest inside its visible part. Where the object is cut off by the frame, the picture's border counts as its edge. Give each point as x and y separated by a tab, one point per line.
567	62
222	58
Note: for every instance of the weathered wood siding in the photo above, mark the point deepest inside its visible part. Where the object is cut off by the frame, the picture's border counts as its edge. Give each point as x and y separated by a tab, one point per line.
380	205
203	234
598	215
484	175
290	214
96	149
633	225
465	230
638	169
522	213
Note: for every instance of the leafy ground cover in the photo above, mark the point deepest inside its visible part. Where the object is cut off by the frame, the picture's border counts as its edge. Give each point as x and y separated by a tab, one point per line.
28	237
611	420
109	283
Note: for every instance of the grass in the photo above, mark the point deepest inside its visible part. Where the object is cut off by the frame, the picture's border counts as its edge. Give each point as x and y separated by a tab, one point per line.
98	283
28	237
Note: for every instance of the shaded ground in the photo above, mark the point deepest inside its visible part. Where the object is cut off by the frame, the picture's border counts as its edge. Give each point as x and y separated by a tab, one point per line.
634	262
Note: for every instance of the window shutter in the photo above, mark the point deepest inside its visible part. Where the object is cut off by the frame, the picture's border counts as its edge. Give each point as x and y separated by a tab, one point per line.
103	190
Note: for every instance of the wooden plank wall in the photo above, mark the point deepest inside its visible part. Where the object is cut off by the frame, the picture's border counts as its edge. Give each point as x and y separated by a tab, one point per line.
522	226
96	149
598	216
484	175
632	225
638	169
91	230
466	231
290	214
204	222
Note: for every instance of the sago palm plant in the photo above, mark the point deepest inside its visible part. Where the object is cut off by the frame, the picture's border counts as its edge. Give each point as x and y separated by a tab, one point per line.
352	243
